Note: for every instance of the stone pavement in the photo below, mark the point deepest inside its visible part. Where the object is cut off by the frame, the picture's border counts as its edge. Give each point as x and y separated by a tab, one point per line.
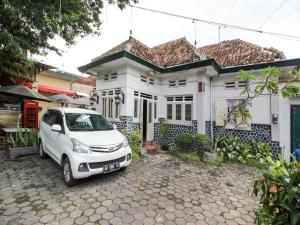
168	191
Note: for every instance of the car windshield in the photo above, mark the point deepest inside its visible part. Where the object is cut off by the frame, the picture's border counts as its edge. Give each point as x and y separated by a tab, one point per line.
87	122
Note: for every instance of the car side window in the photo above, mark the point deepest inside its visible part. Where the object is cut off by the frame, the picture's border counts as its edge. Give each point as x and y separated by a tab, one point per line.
51	118
45	116
59	120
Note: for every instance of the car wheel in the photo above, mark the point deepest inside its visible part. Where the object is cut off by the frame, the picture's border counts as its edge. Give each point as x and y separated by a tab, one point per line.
41	151
67	173
123	168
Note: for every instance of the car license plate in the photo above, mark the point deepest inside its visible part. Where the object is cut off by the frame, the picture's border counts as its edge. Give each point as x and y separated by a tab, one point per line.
111	167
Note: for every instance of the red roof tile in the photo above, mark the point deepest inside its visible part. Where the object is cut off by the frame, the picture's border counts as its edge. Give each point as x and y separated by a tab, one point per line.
227	53
238	52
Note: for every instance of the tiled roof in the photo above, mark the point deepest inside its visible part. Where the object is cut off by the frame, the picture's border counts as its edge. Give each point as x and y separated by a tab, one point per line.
227	53
172	53
238	52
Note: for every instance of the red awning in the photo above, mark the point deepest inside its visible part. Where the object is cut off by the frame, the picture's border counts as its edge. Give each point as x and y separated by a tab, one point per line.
25	83
51	90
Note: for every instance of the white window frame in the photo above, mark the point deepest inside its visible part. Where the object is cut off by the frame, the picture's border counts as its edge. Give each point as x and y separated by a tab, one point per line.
107	98
182	100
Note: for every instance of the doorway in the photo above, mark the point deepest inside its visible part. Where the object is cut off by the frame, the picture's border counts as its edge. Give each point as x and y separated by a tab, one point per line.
295	127
144	120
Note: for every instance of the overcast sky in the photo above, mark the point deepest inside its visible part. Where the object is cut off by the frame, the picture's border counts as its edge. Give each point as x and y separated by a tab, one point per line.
153	29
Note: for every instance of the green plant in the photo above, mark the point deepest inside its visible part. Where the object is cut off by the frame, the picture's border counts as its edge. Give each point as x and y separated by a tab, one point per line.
192	156
204	141
255	86
23	138
164	131
183	141
279	191
233	149
134	141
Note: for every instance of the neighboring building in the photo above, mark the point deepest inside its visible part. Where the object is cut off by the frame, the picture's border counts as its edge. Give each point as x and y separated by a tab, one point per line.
191	88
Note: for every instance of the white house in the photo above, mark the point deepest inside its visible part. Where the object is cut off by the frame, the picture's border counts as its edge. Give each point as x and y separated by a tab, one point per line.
138	86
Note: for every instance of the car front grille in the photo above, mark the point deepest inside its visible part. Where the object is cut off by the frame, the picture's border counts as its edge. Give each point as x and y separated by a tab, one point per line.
106	148
97	165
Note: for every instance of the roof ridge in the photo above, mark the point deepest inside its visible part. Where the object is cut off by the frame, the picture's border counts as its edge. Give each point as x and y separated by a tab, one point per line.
169	42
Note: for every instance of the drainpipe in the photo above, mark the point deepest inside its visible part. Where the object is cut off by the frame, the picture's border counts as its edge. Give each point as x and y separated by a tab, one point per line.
211	113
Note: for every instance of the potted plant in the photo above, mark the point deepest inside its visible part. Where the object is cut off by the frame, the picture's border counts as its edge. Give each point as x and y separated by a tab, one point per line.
164	130
23	142
204	143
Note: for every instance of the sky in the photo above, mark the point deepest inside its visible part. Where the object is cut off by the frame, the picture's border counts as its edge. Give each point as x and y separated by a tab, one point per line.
153	29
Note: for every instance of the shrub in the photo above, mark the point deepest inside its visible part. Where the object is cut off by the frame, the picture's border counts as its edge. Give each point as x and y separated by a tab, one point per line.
183	141
134	141
23	138
233	149
204	141
279	191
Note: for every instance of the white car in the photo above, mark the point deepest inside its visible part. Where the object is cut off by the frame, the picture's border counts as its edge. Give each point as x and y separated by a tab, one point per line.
83	142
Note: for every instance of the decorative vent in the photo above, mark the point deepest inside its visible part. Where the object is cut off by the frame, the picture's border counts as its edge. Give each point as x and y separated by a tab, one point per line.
230	84
242	84
143	78
106	77
110	92
188	98
136	93
172	83
170	99
144	95
178	98
151	81
103	93
113	76
155	97
182	83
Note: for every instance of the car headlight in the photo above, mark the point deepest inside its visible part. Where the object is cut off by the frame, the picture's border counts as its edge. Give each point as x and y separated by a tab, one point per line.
80	147
125	142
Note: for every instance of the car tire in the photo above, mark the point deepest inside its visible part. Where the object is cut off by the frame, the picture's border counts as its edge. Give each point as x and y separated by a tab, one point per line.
123	168
42	153
67	173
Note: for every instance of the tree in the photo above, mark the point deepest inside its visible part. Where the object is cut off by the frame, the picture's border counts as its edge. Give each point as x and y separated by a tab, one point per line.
255	86
26	26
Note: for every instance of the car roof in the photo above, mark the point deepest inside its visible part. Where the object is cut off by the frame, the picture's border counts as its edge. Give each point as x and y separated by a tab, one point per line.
73	110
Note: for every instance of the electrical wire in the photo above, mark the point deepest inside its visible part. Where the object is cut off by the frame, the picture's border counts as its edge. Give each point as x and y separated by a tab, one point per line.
272	14
224	25
230	10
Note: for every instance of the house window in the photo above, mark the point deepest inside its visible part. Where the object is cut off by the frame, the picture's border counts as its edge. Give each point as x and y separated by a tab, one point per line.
135	108
230	84
117	113
104	107
178	111
110	108
143	78
182	106
155	110
172	83
231	103
182	83
169	111
188	112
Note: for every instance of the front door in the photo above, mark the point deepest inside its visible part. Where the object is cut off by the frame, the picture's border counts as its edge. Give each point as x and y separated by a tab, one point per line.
295	127
146	119
150	124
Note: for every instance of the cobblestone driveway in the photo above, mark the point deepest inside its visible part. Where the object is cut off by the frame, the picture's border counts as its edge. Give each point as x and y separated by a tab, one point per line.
166	192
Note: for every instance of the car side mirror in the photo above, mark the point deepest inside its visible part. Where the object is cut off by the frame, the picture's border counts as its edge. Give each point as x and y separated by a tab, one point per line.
56	127
115	126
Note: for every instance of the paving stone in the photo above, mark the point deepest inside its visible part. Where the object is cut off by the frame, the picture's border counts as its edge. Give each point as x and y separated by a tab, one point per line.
164	192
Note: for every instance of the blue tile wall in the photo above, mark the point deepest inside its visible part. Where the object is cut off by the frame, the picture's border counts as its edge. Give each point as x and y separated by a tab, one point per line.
259	132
